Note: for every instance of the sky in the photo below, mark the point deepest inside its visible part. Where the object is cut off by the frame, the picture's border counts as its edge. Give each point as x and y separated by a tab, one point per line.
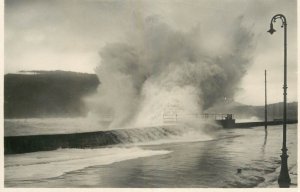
69	34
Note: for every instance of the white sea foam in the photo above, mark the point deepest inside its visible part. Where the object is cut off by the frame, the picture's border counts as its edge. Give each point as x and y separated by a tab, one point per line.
172	135
176	139
41	165
251	119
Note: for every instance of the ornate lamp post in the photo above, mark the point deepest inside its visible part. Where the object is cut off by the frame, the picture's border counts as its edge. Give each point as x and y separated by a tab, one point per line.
284	178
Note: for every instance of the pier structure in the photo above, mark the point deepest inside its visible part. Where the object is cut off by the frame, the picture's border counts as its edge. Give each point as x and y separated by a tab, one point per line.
175	117
224	120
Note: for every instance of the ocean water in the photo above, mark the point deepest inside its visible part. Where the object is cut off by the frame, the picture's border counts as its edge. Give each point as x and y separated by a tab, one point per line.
36	126
186	158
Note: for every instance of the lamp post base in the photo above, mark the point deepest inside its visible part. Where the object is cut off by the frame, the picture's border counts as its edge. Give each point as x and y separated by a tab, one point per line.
284	180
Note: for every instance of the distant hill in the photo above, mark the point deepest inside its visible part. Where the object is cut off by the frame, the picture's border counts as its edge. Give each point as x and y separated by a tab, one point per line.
275	110
47	93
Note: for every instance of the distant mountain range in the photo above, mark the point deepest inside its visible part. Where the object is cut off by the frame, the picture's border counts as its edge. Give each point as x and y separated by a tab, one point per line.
242	111
59	94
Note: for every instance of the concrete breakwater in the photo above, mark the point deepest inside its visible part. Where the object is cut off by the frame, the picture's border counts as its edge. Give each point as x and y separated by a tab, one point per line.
257	124
229	122
33	143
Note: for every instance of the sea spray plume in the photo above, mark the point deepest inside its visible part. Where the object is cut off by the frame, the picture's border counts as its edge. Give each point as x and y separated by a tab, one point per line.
158	66
232	66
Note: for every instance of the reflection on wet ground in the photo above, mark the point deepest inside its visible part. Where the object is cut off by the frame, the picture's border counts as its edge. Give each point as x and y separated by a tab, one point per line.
211	163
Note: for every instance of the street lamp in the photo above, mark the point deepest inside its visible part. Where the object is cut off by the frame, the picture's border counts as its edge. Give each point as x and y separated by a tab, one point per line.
284	178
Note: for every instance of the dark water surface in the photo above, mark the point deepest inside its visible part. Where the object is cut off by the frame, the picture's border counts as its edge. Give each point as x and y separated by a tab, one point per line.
212	163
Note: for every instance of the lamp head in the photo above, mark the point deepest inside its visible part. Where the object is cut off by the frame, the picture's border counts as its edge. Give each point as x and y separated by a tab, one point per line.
271	30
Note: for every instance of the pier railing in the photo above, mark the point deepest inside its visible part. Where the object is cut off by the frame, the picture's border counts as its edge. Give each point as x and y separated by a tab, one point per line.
174	117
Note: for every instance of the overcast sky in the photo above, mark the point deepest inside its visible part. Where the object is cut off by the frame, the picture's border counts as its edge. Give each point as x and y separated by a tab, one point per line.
69	34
